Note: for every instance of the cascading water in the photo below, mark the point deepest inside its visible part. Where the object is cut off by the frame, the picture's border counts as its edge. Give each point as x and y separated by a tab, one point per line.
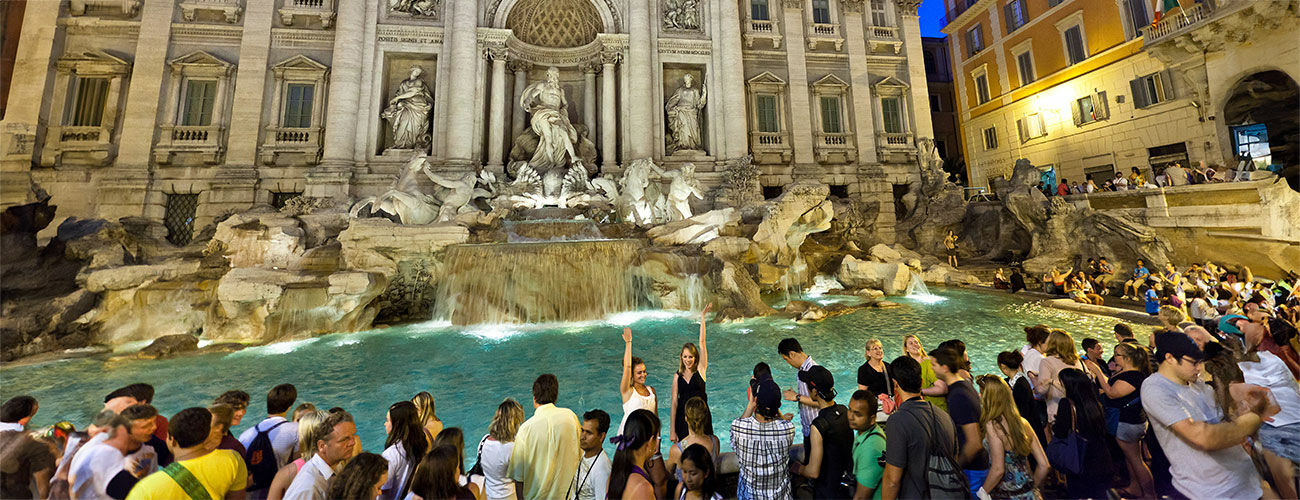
539	282
695	292
916	290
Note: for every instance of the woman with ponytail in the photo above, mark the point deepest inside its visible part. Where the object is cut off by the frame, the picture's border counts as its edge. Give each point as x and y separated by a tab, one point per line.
404	448
636	444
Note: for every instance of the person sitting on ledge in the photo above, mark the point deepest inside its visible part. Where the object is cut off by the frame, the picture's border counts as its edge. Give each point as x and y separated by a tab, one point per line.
1140	274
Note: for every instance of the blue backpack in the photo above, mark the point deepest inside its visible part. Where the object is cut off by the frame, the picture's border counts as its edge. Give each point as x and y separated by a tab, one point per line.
260	456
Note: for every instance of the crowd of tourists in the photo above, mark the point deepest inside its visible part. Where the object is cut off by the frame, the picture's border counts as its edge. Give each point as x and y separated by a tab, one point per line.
1187	411
1175	174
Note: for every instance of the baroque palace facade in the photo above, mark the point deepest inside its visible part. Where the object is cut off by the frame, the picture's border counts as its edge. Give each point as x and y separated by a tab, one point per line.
183	110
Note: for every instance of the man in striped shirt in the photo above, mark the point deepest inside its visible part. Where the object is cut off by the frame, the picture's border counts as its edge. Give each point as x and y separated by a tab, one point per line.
761	439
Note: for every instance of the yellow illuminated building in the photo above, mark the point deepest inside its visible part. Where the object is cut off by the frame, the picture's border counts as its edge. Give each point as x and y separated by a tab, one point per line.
1087	88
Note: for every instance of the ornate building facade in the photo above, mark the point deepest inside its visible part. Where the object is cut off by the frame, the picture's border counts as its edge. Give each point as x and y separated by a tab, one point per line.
179	111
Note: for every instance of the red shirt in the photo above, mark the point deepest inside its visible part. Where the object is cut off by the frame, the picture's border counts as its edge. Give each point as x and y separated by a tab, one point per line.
1062	189
161	431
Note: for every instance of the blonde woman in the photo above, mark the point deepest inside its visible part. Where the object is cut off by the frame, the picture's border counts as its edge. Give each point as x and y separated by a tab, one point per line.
1011	441
698	420
1060	354
427	414
495	448
873	375
692	370
308	435
931	387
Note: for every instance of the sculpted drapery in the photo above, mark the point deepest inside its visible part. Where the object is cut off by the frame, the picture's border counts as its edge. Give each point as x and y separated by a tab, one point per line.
408	112
683	109
546	103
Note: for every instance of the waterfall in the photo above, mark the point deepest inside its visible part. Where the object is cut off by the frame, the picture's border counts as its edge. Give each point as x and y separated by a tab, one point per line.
694	291
539	282
917	290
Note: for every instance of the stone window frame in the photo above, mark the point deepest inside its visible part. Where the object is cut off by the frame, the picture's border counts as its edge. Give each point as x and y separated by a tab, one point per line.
828	143
91	145
1125	16
1025	47
830	31
986	137
766	83
280	140
887	8
891	87
1064	24
975	74
207	141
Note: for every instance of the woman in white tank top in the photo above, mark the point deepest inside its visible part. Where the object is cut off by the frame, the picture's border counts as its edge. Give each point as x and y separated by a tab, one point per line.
636	395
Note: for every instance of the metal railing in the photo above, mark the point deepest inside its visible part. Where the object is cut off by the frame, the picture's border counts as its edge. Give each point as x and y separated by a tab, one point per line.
758	26
1169	25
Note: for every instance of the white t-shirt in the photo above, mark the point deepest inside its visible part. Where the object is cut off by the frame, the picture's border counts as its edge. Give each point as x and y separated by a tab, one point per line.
92	469
592	479
1033	358
284	439
1271	372
1221	474
398	470
146	457
495	455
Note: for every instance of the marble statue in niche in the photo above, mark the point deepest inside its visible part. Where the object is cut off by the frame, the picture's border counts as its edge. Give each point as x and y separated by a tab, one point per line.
682	15
408	112
425	8
546	103
683	109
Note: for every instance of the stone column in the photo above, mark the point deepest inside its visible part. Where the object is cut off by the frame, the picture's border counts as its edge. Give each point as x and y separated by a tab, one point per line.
589	71
608	125
250	84
800	106
332	178
125	190
31	74
864	124
462	45
910	29
731	97
520	69
639	99
497	108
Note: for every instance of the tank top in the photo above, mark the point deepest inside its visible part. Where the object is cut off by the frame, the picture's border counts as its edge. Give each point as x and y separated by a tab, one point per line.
637	402
687	389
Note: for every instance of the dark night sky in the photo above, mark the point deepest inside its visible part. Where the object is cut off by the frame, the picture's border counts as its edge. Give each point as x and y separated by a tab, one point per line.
931	13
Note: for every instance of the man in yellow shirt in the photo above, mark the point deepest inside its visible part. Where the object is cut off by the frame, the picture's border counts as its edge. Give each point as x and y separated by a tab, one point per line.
546	452
197	473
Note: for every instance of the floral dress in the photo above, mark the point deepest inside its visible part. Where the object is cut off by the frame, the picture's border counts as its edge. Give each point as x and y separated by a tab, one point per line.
1017	482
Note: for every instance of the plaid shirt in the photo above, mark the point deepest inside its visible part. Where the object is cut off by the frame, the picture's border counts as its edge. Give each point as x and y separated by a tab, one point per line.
763	453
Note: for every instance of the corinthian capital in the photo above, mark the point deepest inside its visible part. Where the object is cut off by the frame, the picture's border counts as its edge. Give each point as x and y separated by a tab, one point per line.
852	6
496	53
908	7
517	65
610	56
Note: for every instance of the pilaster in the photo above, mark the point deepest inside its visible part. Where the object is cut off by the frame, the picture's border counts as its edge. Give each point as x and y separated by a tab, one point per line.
497	108
250	85
332	178
32	70
640	74
910	27
864	123
796	60
462	41
727	47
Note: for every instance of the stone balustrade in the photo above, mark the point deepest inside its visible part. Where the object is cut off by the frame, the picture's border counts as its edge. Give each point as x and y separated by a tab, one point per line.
231	9
763	29
1260	208
323	9
206	142
825	32
280	141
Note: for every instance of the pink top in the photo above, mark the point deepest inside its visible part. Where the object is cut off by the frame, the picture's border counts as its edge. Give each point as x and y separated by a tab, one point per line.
297	465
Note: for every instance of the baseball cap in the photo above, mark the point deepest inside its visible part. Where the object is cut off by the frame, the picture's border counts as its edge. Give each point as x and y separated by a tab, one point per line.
767	398
1227	324
819	379
1178	344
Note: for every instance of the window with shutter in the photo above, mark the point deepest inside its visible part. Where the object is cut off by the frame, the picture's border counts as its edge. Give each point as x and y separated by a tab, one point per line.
1167	84
1015	14
1086	112
199	98
1100	108
1137	15
758	10
990	138
1074	44
768	119
821	11
975	40
1025	63
298	105
1020	128
86	102
982	88
1139	89
891	114
831	115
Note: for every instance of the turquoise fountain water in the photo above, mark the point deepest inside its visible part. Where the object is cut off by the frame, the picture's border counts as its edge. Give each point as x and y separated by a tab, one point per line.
470	370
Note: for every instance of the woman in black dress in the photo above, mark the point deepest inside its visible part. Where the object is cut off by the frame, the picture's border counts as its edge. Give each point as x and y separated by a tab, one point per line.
873	375
689	381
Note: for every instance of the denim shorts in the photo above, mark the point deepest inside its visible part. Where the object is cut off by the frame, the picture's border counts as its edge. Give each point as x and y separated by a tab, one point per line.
1284	441
1130	433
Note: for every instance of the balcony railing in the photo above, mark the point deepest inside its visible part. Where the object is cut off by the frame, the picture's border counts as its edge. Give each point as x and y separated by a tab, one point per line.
821	29
232	9
205	141
824	32
324	9
883	33
835	147
80	134
127	8
184	133
1171	24
304	142
763	29
834	139
769	139
895	140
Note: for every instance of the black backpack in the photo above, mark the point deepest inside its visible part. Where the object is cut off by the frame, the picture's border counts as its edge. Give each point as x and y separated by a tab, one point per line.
943	473
260	456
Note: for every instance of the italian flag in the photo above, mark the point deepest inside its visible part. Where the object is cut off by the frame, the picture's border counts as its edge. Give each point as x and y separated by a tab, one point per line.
1163	7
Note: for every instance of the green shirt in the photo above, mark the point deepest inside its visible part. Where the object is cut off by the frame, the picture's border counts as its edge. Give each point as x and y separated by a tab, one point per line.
868	448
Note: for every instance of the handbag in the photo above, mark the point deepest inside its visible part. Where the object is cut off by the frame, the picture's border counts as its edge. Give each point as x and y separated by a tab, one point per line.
1066	454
